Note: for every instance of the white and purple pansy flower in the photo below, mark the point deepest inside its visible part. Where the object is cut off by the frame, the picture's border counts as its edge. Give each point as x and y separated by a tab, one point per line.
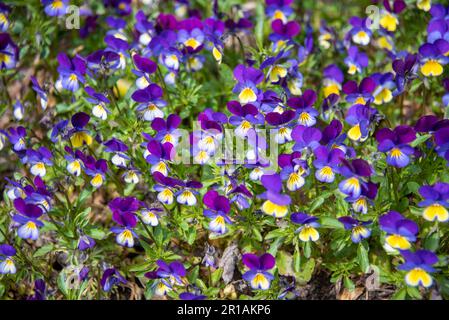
258	276
396	144
308	229
358	228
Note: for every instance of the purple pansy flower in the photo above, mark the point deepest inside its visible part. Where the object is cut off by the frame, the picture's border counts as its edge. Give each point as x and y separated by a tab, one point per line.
110	278
401	231
27	219
9	52
293	170
38	159
7	265
247	80
150	102
356	61
358	228
219	207
258	275
276	204
244	117
354	171
55	8
359	117
436	201
99	101
307	231
419	265
327	163
71	71
396	144
304	107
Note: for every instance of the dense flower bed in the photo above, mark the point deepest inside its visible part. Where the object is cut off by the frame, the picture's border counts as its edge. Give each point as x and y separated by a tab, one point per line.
224	149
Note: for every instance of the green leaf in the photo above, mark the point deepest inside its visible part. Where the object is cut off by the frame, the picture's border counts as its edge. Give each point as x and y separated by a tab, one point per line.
400	295
348	283
420	139
42	251
432	242
331	222
284	262
297	259
307	249
216	276
305	275
362	257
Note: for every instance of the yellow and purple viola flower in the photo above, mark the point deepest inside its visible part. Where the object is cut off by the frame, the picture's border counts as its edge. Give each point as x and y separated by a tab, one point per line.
355	171
4	19
219	207
419	267
360	117
96	169
38	159
433	58
244	117
119	46
247	80
437	27
78	135
27	219
308	229
167	129
327	163
304	108
276	204
258	276
186	195
165	187
110	278
389	17
327	37
9	52
166	276
7	265
75	161
151	216
144	68
396	144
40	290
213	33
356	61
118	148
358	228
332	80
293	170
281	120
369	193
401	232
150	102
144	29
306	138
240	195
158	155
190	34
283	33
71	72
16	137
99	101
436	202
124	213
36	193
278	9
277	69
385	87
360	32
362	93
55	8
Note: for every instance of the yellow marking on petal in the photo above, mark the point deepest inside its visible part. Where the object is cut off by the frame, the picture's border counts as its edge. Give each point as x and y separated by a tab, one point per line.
416	276
274	210
383	96
277	72
360	100
436	212
278	14
192	42
398	242
396	153
4	58
217	55
354	133
30	225
308	233
80	138
97	180
304	117
331	89
247	95
260	281
168	138
361	38
432	68
384	43
352	69
73	77
389	22
57	4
